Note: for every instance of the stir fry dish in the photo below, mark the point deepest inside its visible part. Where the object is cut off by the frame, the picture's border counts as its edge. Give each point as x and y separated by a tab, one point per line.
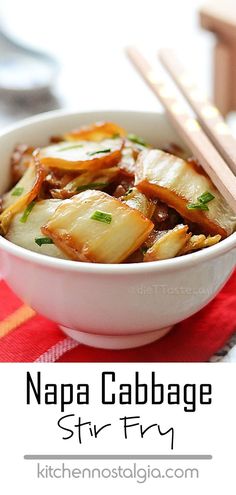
98	194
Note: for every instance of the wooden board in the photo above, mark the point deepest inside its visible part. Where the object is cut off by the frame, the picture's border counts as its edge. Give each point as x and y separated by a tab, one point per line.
223	83
219	16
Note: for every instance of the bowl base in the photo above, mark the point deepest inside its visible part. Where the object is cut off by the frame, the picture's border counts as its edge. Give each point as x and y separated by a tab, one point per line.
115	341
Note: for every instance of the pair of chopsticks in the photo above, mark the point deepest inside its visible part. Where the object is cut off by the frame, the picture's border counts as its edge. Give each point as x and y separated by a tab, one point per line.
209	138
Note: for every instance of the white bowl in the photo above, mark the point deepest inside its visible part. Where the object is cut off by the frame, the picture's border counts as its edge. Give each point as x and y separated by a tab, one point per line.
110	306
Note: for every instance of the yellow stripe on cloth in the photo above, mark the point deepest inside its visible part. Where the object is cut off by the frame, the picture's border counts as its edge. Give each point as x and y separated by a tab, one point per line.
20	316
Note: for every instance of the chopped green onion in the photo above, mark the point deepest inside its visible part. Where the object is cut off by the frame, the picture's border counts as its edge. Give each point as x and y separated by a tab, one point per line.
92	185
43	240
197	206
27	212
91	153
206	197
144	249
136	139
70	147
129	191
17	191
115	136
101	216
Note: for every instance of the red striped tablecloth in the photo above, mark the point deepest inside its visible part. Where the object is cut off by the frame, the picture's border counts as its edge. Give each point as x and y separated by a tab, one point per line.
28	337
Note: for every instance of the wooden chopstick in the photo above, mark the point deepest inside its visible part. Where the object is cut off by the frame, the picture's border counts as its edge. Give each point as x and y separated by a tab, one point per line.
208	115
189	129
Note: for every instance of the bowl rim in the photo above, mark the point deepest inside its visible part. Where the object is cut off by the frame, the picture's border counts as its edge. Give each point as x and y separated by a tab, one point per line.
172	264
63	112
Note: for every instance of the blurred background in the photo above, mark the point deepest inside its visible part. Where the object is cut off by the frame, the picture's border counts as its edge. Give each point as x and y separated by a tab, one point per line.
76	52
